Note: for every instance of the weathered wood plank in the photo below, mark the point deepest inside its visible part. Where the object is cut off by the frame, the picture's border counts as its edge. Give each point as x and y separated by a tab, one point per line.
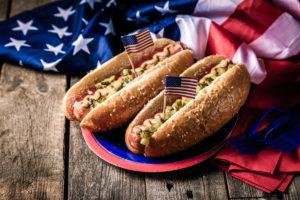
239	189
32	129
259	198
199	182
293	192
3	9
92	178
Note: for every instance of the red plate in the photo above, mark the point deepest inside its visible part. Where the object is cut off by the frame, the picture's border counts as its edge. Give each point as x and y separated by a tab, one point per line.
110	147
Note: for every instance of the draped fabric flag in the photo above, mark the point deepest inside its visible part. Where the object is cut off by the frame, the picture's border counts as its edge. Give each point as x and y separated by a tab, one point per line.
77	36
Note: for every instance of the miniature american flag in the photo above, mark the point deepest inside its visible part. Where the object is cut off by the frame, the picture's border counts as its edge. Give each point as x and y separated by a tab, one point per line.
181	86
137	42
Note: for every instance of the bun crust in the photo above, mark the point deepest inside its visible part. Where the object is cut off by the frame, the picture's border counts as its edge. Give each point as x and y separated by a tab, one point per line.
212	108
123	105
111	67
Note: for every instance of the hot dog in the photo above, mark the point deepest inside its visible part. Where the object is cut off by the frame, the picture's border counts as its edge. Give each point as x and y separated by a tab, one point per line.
111	95
221	91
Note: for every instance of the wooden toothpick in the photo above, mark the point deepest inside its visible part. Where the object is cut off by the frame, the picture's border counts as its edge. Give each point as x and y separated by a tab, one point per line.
132	65
165	104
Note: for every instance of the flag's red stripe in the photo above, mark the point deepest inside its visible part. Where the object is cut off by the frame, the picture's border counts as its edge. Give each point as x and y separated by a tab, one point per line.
147	32
188	83
251	18
142	37
183	89
189	86
180	91
181	94
221	41
189	80
144	32
139	48
185	86
139	45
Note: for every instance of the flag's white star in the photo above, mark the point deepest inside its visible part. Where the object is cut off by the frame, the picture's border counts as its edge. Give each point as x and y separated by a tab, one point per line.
65	14
165	9
98	64
109	27
81	44
56	50
137	15
50	66
138	18
61	32
25	27
17	44
84	21
161	33
110	3
21	62
90	2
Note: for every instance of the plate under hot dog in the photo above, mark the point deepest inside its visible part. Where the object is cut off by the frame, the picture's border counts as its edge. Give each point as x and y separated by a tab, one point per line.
110	146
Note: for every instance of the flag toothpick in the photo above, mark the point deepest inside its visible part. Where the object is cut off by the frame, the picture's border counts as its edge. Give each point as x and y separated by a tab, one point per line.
136	43
179	86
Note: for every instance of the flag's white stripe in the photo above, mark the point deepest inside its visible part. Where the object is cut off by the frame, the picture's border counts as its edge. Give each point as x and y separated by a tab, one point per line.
281	40
189	82
244	54
290	6
143	33
184	79
138	50
139	45
194	33
218	11
189	85
146	38
181	94
183	89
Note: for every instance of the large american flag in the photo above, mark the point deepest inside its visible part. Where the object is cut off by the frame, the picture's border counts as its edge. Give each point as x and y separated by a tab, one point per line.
137	42
180	86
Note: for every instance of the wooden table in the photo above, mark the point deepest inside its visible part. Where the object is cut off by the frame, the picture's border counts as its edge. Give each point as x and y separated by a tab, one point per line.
43	156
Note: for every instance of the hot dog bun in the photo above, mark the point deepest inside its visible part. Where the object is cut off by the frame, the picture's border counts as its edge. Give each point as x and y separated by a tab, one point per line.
124	104
111	67
212	108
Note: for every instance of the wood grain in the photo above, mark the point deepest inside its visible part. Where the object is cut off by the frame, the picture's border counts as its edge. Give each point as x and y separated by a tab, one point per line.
293	192
4	6
32	129
239	189
92	178
199	182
